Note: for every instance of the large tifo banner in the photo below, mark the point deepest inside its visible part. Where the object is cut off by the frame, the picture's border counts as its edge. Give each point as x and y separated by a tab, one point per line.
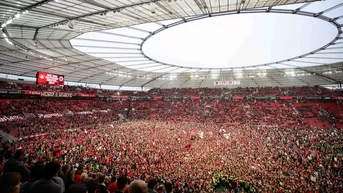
227	82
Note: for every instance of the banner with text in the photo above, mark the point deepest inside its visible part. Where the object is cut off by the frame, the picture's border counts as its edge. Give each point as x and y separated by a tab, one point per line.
227	82
49	94
286	97
119	97
11	118
86	95
158	97
195	97
237	97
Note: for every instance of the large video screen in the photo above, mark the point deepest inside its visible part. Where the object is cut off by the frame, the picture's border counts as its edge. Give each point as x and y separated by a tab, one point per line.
45	78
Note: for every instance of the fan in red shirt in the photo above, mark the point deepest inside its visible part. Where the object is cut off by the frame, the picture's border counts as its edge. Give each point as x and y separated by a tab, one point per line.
112	187
78	173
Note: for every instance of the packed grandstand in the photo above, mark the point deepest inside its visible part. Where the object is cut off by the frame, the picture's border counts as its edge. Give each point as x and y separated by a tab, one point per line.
163	96
268	139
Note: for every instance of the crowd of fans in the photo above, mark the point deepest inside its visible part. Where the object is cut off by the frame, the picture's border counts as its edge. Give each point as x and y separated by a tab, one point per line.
48	115
103	145
43	115
248	92
252	91
17	85
187	155
47	106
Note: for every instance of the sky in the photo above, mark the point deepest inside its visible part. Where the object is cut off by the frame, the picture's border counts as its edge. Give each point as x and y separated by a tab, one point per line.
239	40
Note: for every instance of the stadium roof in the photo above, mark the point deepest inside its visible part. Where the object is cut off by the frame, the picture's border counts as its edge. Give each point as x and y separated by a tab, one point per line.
57	36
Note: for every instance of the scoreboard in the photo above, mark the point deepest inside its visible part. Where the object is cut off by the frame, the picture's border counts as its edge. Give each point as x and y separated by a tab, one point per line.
45	78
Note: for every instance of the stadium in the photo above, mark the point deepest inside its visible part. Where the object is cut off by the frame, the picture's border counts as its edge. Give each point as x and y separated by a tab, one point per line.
171	96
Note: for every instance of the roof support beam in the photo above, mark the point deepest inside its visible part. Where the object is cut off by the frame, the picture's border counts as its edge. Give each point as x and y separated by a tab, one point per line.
329	9
325	58
94	3
282	73
104	47
101	12
34	28
248	74
107	41
36	33
176	78
201	7
301	7
140	64
148	66
114	76
55	66
134	79
185	82
152	80
317	74
209	71
187	79
274	80
164	8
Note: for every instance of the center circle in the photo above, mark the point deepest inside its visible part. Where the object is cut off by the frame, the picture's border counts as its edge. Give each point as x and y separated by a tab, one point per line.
239	40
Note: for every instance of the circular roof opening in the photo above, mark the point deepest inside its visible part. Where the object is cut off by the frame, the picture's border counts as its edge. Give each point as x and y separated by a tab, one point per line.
239	40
